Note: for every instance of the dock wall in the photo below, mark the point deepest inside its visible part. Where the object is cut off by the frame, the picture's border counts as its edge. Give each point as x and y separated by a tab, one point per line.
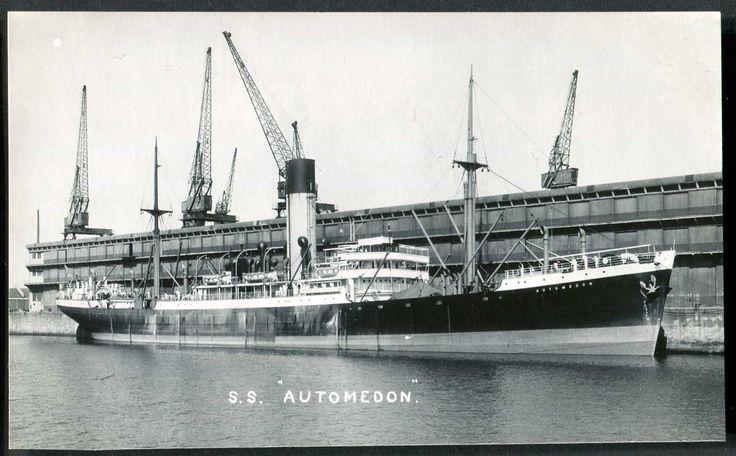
41	324
694	330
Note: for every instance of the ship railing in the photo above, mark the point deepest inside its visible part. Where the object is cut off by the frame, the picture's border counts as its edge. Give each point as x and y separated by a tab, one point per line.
230	294
401	248
590	260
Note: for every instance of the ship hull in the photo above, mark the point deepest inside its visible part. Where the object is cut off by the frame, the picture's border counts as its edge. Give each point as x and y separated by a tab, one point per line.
613	315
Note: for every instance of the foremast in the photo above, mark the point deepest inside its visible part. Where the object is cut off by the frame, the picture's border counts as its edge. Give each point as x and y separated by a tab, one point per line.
470	165
156	213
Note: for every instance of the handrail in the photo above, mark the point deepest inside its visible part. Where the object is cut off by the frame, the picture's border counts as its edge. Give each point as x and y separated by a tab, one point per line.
566	265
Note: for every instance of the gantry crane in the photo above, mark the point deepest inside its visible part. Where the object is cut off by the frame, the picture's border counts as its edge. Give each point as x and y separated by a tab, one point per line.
195	210
280	148
560	174
223	206
78	218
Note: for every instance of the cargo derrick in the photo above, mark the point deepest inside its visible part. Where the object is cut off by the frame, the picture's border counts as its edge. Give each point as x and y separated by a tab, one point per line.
280	149
78	218
196	209
560	174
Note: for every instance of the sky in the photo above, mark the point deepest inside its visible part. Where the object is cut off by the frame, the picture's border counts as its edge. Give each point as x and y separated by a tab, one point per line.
381	101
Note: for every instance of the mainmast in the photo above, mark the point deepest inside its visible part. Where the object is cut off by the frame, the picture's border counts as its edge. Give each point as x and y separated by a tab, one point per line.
156	213
470	165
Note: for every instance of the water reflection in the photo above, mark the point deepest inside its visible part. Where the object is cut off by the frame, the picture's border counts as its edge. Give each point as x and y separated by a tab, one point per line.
64	395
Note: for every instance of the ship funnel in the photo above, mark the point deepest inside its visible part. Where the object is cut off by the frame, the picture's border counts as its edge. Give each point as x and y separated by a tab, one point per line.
301	214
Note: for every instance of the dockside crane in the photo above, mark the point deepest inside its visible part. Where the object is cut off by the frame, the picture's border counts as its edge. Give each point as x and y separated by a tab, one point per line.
560	174
223	206
78	219
199	198
280	148
196	209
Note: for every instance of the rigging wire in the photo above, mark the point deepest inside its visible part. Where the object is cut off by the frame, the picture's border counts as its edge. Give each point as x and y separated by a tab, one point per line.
453	123
457	140
515	124
536	157
457	190
437	183
551	206
482	137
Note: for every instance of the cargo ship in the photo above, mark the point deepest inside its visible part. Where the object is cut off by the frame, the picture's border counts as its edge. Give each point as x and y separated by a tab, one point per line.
375	294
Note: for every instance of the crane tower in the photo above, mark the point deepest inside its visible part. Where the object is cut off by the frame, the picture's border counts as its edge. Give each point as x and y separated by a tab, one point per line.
560	174
196	209
78	219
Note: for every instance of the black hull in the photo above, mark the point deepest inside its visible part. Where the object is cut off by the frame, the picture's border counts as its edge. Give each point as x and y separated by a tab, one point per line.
611	315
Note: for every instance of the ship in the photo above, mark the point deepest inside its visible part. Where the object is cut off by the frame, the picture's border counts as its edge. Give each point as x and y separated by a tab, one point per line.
376	294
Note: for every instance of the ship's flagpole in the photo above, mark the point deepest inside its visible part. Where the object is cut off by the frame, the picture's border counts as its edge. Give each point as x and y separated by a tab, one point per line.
156	213
470	165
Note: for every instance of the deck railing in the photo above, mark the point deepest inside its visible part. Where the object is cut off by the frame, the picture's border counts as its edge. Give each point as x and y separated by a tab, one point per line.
589	260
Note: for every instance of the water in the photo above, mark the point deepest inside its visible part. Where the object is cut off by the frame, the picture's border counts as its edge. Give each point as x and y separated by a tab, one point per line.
69	396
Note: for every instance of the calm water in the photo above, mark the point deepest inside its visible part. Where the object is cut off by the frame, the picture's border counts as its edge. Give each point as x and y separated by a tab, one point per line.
70	396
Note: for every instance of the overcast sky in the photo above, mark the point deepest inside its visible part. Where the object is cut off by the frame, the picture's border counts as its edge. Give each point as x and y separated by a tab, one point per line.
381	101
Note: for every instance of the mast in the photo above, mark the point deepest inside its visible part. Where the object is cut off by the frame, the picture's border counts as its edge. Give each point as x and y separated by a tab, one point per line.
156	213
470	165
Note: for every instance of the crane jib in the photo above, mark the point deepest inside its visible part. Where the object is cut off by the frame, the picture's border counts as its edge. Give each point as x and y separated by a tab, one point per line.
276	141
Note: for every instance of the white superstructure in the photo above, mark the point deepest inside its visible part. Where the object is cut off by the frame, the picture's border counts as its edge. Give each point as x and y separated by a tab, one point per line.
367	270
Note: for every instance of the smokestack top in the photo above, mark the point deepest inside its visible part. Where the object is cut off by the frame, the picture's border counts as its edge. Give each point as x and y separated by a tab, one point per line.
300	176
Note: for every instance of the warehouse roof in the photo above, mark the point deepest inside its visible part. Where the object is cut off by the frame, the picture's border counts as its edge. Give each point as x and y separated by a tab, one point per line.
672	183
